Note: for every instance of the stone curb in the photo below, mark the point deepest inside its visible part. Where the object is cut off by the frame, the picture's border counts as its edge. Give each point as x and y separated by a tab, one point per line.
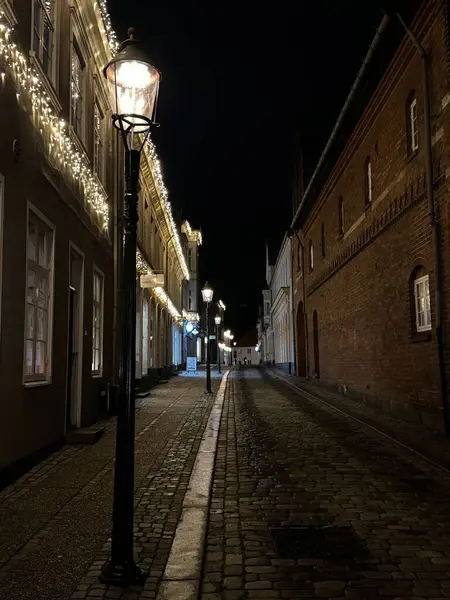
184	566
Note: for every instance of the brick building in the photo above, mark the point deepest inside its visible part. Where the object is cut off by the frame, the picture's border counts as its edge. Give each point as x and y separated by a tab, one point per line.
366	261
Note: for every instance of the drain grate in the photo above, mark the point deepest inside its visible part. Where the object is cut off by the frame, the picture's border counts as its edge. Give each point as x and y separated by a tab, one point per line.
334	542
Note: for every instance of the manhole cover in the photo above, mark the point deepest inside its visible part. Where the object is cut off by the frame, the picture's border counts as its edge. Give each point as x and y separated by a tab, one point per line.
335	542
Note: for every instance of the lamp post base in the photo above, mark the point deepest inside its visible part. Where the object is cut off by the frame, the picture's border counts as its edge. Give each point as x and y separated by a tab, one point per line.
122	575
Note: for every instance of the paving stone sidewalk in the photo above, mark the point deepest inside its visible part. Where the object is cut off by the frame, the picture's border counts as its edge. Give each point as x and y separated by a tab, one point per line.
55	521
307	503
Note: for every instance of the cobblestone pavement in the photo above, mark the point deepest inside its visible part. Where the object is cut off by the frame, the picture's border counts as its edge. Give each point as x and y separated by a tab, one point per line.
55	520
307	503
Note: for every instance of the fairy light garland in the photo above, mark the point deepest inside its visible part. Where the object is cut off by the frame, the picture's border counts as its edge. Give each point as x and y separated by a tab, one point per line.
163	194
110	33
143	268
195	234
54	130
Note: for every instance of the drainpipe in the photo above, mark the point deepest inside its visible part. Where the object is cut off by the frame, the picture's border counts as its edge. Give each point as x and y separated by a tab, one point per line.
293	231
434	223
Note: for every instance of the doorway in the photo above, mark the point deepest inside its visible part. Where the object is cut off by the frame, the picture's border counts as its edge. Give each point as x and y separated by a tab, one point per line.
74	339
145	337
316	344
301	341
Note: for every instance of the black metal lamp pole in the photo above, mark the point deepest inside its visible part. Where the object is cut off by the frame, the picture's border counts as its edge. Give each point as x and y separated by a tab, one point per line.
208	352
218	350
131	94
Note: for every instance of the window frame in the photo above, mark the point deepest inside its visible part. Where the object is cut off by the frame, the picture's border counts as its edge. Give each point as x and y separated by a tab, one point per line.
97	373
76	49
38	54
311	256
412	124
100	172
368	181
35	380
417	281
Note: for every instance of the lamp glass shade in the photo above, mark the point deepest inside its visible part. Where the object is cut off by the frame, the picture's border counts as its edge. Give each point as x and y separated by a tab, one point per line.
217	320
207	293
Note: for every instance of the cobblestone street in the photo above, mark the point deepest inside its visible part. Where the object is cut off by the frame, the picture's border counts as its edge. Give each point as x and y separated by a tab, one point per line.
307	503
55	521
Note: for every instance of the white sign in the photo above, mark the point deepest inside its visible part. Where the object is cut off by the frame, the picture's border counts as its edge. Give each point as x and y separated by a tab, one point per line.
152	280
212	337
191	363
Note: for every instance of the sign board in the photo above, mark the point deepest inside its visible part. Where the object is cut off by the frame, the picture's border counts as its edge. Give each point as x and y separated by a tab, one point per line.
212	337
152	280
191	363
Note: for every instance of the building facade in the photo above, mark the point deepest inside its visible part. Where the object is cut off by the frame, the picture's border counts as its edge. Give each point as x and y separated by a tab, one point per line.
367	263
58	192
191	293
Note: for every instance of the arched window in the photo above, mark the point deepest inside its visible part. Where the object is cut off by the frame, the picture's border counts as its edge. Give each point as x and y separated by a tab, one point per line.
311	256
420	300
368	180
412	124
341	215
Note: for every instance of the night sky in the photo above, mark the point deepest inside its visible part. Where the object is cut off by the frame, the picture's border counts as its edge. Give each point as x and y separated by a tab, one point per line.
243	83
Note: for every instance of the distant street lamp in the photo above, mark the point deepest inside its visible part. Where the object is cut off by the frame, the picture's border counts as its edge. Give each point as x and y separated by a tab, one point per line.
207	294
217	320
134	83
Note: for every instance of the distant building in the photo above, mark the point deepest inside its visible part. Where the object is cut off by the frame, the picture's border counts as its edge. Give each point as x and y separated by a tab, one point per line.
245	351
191	293
368	244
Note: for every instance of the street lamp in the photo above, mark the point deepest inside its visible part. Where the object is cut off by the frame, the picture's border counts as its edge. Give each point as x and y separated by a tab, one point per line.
134	84
217	320
207	294
231	352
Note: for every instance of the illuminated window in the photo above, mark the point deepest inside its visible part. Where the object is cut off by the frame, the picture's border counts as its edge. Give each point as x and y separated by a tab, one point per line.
43	30
311	256
422	303
98	141
39	299
97	323
77	90
412	131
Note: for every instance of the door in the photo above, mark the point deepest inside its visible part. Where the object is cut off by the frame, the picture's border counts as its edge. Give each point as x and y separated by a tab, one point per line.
301	341
71	358
74	339
316	344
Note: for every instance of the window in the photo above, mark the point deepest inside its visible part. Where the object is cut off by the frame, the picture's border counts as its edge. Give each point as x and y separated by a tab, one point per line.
412	124
341	215
322	239
43	17
249	350
368	180
311	256
98	142
39	294
97	324
76	90
422	303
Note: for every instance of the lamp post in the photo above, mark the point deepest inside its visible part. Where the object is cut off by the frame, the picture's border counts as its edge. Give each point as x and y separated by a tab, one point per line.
207	294
231	353
134	83
217	320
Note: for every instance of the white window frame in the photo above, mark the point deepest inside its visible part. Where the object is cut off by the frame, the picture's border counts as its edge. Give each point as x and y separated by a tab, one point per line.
38	379
101	304
39	52
311	256
413	125
417	298
369	180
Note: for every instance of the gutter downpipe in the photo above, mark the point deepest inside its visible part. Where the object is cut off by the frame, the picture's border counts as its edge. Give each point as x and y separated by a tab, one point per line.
434	223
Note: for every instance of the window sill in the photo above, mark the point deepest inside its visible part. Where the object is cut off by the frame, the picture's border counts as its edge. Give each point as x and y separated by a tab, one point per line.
421	336
96	375
33	384
46	82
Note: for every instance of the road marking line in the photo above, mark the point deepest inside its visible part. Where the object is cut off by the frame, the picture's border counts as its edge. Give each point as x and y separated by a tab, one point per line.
183	570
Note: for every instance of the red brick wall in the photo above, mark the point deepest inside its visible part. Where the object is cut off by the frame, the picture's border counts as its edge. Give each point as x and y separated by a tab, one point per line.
360	289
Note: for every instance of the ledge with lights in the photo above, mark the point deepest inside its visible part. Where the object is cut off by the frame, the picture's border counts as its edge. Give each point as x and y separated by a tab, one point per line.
143	268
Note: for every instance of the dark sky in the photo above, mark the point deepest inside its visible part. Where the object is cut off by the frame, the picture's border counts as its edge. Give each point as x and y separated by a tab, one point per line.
242	82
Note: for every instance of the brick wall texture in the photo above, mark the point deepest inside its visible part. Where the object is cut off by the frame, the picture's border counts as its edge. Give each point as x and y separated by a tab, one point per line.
361	288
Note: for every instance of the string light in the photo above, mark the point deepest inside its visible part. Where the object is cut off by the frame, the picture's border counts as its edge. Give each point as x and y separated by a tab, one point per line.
143	268
194	235
163	194
110	33
54	131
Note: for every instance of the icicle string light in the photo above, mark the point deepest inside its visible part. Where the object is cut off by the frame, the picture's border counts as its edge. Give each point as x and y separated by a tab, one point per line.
54	131
110	33
143	268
